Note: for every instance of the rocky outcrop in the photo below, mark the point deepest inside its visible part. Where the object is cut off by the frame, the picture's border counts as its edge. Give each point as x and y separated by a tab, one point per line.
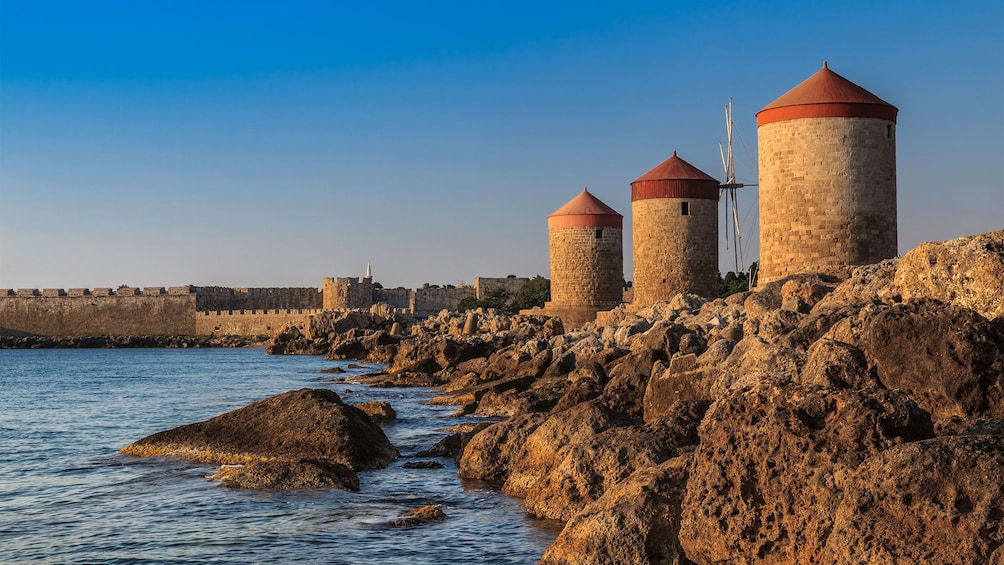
934	501
848	417
378	411
420	516
774	459
966	272
636	521
539	452
948	358
285	474
590	467
312	425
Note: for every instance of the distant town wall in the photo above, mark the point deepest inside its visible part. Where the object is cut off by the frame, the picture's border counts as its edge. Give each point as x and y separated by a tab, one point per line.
396	297
102	311
430	301
251	322
483	286
219	298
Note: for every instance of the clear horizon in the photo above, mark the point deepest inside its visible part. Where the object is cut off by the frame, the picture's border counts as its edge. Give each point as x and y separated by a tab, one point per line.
254	144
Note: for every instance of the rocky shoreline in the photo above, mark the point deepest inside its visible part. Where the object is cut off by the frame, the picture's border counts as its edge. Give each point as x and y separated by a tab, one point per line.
853	417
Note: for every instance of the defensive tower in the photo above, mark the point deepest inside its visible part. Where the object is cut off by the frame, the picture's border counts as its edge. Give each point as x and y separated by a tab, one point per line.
827	156
587	259
674	208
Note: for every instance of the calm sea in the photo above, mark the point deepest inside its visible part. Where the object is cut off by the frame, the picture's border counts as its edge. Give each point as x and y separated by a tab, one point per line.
68	496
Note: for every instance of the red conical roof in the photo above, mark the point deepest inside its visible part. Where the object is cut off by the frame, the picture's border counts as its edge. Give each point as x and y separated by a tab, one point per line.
826	95
585	210
674	178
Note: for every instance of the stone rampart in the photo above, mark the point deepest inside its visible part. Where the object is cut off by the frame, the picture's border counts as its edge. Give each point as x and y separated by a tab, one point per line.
219	298
127	311
483	286
399	298
430	301
251	322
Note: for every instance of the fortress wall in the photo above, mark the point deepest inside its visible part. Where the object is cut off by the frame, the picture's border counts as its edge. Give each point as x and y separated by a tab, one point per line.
483	286
251	322
130	311
219	298
345	293
429	301
396	297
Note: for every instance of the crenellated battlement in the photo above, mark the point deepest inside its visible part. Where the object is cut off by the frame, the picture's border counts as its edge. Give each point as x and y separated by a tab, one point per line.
82	292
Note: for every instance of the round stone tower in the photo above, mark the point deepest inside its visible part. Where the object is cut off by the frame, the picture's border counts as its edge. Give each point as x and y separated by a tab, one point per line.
674	210
587	259
827	153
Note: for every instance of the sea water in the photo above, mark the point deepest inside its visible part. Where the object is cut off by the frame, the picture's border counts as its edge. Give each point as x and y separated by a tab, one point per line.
68	496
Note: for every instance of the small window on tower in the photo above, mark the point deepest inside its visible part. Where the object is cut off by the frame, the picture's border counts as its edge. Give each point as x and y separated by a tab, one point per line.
685	208
888	131
599	234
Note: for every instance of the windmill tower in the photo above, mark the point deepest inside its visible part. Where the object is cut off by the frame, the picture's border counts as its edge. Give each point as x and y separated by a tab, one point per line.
827	160
674	209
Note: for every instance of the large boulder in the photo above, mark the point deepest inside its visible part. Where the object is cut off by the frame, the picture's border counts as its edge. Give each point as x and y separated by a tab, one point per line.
966	272
536	455
948	358
589	468
312	424
490	454
773	461
283	474
636	521
934	501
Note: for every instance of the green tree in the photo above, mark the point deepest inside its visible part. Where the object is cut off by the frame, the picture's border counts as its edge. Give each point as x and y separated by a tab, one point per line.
534	293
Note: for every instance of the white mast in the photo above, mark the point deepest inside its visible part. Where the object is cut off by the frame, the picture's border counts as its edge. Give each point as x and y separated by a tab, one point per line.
729	190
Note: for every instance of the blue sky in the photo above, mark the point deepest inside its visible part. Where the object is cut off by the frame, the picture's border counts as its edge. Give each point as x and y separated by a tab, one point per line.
273	144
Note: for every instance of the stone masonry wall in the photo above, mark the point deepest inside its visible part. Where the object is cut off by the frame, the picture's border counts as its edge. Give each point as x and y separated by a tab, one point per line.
251	322
397	297
483	286
213	298
429	301
345	293
81	312
674	253
827	194
587	270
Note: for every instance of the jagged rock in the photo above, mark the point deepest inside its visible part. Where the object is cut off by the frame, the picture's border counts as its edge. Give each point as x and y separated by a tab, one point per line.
867	284
948	358
625	391
378	411
312	424
490	453
539	452
682	380
773	461
635	521
291	341
423	465
420	516
589	468
536	325
966	272
404	379
839	365
282	474
934	501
